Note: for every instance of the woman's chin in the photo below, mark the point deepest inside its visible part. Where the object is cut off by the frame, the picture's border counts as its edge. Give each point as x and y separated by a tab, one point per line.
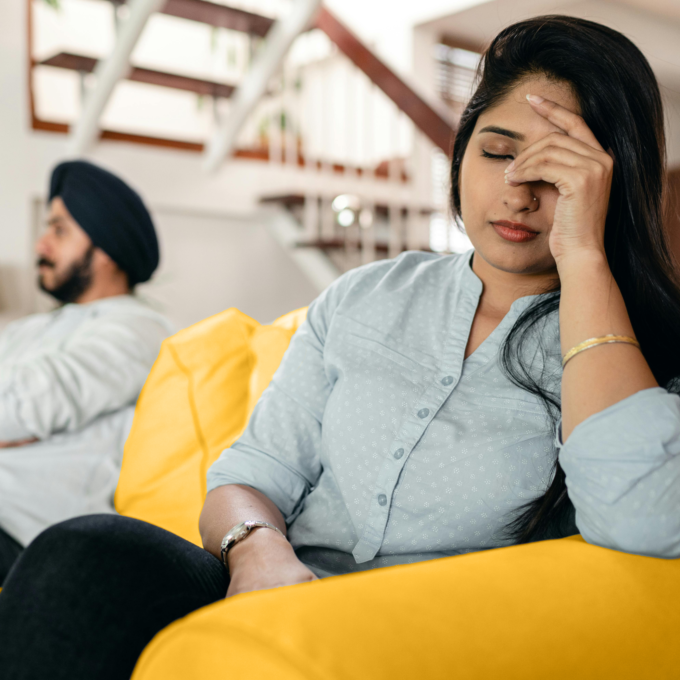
516	258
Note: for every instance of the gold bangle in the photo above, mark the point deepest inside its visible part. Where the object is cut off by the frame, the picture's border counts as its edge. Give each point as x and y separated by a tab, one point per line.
594	342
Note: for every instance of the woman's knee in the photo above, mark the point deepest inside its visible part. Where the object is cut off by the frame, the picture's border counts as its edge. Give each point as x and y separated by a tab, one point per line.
79	535
91	544
127	554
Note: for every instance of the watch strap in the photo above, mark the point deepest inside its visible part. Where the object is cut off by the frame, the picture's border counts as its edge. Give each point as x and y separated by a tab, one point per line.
237	533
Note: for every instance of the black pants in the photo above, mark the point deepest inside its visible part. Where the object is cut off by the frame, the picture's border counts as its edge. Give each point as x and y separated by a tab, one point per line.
87	595
9	552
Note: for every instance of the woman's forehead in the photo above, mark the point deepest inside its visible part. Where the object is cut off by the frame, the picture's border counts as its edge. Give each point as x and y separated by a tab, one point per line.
514	113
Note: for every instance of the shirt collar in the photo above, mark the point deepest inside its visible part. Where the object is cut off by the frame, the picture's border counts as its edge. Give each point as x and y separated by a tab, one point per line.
472	283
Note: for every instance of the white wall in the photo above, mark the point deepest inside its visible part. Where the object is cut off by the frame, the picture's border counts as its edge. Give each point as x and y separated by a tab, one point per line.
212	262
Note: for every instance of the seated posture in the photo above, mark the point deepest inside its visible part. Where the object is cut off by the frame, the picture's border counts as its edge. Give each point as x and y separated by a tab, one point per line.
433	405
69	379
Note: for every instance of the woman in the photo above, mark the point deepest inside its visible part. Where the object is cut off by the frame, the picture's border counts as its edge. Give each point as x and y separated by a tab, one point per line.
415	412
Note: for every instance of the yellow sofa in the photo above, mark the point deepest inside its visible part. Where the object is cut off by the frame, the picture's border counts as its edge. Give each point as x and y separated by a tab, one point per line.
555	610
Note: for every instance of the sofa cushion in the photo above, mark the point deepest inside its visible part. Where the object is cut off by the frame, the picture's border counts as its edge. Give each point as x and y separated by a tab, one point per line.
195	403
559	609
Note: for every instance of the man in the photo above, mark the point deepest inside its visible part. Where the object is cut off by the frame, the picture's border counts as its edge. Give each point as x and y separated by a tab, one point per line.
69	379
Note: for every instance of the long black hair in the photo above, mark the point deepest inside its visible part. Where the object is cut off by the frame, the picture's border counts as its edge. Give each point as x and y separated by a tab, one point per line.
620	101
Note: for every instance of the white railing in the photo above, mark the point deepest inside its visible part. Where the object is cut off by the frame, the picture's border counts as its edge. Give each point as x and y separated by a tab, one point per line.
364	181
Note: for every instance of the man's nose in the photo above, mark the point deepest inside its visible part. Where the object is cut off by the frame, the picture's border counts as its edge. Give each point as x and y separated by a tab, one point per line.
42	247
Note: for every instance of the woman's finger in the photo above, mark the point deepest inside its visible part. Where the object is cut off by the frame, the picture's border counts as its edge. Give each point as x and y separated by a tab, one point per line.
560	139
570	122
568	179
561	156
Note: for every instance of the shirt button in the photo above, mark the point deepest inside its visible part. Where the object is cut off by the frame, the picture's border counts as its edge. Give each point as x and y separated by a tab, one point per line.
398	453
382	499
423	413
448	380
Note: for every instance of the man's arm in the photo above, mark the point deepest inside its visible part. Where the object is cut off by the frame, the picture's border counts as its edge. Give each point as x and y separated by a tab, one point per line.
99	370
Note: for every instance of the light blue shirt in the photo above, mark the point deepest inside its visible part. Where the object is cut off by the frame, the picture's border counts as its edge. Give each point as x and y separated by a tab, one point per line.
382	445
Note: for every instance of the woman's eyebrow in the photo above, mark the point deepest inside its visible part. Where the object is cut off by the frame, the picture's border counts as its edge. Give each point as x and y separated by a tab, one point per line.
502	131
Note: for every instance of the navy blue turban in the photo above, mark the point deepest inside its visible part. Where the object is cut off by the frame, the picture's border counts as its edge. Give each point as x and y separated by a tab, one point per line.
111	214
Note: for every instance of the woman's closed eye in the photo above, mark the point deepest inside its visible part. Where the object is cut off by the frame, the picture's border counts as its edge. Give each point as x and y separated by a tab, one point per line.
494	156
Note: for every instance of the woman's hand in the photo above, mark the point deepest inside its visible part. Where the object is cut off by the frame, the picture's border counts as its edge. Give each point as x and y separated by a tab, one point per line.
580	169
264	560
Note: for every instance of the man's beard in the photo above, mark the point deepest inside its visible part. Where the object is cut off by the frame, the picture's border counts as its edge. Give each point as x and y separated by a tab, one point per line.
76	281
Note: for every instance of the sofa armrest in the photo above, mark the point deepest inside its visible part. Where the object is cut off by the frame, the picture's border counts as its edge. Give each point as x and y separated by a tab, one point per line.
559	609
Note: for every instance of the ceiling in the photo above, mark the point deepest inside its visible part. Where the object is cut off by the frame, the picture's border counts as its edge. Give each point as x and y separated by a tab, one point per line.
653	25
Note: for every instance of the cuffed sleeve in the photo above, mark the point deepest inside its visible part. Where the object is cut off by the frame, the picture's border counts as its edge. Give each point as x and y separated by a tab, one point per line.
278	454
622	470
100	369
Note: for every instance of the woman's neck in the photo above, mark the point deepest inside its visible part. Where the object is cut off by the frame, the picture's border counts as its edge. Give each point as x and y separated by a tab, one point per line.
501	288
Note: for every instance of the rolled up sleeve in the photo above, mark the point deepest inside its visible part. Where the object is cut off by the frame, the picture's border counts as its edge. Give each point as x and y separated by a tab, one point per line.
279	452
622	470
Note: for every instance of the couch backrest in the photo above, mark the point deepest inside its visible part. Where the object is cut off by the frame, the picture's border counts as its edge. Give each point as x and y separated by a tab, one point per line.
195	403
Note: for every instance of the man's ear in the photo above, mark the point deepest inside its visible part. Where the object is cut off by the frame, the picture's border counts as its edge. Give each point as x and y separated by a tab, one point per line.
102	261
103	264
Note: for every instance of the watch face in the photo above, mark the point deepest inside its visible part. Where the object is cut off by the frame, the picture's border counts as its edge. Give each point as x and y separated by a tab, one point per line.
241	531
236	534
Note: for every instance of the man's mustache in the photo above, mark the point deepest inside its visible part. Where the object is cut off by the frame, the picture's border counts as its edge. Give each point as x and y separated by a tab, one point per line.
44	262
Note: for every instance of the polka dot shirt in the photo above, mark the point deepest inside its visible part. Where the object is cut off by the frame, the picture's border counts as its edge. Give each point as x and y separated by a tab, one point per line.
381	444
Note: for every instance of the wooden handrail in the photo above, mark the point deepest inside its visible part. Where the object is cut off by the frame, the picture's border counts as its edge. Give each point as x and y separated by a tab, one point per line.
433	125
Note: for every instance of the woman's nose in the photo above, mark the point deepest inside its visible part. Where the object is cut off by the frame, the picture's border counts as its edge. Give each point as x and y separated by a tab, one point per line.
520	199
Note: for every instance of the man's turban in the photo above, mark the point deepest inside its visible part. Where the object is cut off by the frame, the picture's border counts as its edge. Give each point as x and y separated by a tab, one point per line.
111	213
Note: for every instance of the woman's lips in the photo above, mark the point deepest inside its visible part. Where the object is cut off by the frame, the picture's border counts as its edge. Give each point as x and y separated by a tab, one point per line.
514	231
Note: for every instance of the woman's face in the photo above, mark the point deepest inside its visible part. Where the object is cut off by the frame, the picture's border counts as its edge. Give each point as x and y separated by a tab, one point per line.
499	135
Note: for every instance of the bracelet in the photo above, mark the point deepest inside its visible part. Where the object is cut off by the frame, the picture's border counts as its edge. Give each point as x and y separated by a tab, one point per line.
594	342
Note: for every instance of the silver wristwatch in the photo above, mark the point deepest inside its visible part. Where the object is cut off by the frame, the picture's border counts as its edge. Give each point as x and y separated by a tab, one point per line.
239	532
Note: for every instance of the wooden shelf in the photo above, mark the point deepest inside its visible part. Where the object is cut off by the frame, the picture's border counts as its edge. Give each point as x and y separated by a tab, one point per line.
82	64
216	15
292	201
